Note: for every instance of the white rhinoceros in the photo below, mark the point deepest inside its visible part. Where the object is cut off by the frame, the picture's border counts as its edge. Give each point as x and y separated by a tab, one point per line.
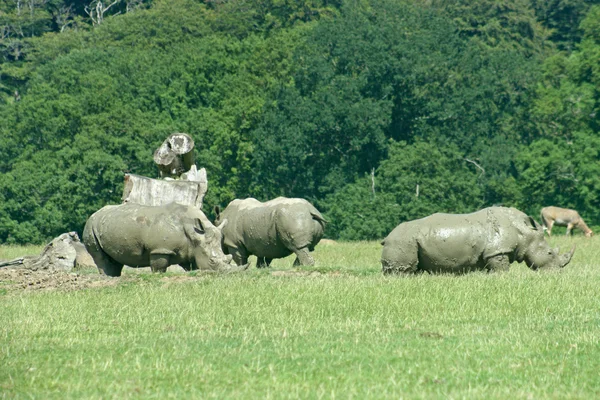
274	229
489	239
156	236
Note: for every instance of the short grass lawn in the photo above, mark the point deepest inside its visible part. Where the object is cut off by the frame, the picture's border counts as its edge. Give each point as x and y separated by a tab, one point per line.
336	330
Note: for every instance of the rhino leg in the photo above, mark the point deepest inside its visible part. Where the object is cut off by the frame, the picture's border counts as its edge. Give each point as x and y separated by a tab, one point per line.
390	267
400	258
498	263
106	265
159	262
303	257
240	256
263	262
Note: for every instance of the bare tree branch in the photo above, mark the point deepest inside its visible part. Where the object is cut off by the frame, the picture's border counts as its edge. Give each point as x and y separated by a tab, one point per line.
477	165
373	181
96	10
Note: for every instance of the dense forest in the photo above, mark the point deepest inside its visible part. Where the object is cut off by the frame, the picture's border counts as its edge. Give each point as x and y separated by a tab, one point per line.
377	111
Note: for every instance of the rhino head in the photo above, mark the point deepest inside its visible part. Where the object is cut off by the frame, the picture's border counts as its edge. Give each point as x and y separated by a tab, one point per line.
545	257
539	255
207	251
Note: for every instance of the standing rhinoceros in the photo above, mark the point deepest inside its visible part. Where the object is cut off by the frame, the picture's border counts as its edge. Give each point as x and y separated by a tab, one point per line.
155	236
274	229
489	239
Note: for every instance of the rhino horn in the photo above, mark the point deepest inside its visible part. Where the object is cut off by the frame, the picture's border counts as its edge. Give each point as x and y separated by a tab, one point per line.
222	224
236	268
566	258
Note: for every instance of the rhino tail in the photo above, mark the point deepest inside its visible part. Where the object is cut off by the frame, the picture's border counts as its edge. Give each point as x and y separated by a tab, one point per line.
319	218
105	263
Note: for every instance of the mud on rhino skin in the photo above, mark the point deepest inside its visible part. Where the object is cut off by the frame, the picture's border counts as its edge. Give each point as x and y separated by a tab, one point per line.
155	236
489	239
274	229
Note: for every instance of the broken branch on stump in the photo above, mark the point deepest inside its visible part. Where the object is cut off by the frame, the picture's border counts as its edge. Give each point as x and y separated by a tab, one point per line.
175	155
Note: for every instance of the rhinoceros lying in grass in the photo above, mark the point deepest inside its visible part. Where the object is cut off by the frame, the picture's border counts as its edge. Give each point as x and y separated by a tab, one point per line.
155	236
489	239
274	229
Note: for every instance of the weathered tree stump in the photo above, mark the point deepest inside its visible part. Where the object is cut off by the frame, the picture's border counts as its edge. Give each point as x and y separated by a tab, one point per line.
175	155
188	190
63	253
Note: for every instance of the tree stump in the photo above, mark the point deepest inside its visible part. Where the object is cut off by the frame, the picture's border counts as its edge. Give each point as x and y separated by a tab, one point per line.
175	155
188	190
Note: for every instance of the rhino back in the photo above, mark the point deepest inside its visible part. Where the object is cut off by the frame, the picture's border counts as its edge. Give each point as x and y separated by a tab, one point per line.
442	242
271	229
129	232
299	225
452	243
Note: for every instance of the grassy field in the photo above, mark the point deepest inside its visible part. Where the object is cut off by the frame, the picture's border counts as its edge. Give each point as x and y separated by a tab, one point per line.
336	330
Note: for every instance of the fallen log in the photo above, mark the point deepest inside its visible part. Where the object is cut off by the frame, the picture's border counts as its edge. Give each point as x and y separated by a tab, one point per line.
63	253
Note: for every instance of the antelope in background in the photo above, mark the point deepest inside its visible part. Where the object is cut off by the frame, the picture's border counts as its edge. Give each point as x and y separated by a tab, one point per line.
563	217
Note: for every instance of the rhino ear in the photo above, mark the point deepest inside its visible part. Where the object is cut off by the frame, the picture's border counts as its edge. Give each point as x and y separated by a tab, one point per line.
222	224
534	224
217	211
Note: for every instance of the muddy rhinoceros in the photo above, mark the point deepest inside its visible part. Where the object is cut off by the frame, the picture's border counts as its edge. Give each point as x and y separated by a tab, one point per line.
274	229
154	236
489	239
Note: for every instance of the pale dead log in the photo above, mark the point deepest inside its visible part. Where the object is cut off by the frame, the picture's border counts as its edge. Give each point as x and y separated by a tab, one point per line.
63	253
83	259
175	155
189	190
12	263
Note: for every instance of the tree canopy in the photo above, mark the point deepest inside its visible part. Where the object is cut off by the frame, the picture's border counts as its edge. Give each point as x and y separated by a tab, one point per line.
377	111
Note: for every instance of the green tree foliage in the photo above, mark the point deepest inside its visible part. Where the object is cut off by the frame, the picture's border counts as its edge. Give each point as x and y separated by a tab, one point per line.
415	180
352	105
563	19
561	173
100	102
391	70
22	23
501	24
562	166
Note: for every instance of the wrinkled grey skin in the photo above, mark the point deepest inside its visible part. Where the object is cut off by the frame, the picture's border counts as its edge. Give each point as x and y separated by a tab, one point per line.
154	236
489	239
274	229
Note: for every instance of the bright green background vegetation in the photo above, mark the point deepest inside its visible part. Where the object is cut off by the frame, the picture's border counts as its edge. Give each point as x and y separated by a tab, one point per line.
339	329
350	104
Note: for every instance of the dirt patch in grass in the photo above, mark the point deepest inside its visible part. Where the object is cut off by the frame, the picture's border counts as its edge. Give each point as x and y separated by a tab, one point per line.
305	273
15	279
170	280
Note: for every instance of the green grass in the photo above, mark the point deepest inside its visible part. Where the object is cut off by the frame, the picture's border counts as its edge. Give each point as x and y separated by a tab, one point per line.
338	330
10	252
